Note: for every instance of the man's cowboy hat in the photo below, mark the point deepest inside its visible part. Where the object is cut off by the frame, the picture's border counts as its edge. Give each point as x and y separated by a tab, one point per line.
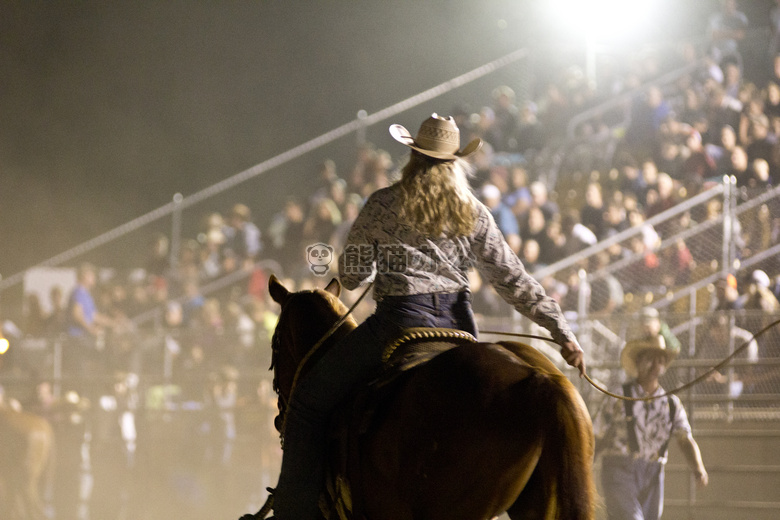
438	137
635	347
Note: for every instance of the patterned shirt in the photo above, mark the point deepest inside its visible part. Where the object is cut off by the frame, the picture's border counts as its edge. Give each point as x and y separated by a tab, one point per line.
652	423
405	261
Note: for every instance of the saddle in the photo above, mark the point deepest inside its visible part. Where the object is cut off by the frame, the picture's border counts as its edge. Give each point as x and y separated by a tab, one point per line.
413	348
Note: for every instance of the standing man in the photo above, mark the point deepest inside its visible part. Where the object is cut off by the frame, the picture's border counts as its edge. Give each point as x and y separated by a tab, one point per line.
85	323
634	435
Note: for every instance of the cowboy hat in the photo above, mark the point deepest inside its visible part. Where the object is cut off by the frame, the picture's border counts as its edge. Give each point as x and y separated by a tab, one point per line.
438	137
635	347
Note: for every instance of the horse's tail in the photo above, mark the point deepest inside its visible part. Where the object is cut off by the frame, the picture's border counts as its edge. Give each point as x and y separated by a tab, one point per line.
563	478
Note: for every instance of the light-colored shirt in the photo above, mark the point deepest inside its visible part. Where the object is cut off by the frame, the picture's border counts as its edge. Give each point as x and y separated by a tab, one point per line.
652	423
405	261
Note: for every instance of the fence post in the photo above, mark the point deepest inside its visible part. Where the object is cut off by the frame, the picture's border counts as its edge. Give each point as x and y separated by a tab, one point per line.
361	129
178	198
585	326
689	393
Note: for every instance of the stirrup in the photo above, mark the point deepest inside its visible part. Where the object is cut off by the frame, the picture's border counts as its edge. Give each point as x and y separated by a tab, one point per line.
260	515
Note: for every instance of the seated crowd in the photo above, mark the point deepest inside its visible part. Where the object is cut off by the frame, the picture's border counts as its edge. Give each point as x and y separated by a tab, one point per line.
682	138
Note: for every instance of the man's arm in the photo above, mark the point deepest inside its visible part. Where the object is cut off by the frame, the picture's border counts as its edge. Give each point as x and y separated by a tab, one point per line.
693	456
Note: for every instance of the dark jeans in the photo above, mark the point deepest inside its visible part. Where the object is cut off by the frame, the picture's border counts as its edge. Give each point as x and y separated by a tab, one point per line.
355	359
633	488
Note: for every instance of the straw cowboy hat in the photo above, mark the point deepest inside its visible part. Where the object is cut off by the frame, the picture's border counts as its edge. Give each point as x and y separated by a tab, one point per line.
635	347
438	137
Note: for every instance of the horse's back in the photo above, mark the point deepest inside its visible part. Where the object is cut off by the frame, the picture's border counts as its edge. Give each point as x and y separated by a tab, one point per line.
461	434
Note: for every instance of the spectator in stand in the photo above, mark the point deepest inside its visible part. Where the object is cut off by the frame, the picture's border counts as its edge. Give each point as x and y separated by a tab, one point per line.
758	176
740	167
650	176
758	230
726	29
323	221
576	236
286	232
666	196
697	166
606	291
760	146
732	79
753	110
502	214
378	173
531	133
693	107
327	174
192	302
721	152
758	295
242	239
57	318
677	265
541	199
530	255
772	102
211	254
631	179
615	219
338	193
503	132
554	110
669	158
519	196
158	262
534	227
34	324
357	177
352	206
498	175
722	110
592	213
647	115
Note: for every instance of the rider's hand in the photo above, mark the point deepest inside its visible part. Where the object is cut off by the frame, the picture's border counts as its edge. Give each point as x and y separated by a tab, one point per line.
574	356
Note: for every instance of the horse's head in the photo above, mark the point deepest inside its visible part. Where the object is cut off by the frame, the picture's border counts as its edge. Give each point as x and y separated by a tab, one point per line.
306	317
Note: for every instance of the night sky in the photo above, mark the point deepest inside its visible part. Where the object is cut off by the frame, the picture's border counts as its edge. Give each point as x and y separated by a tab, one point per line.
109	108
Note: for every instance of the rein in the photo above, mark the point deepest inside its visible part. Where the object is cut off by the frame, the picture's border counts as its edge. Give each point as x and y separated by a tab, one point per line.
687	385
314	349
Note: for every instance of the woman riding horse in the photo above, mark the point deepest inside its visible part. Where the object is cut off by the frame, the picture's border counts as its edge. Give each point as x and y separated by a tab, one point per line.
418	237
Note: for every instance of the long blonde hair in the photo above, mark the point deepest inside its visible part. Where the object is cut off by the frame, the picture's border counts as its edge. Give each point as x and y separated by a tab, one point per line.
436	196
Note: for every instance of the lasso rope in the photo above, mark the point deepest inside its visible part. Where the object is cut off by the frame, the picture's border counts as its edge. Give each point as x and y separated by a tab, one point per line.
670	392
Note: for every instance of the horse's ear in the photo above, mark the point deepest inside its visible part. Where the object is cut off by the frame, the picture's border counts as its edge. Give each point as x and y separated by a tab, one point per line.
334	287
277	291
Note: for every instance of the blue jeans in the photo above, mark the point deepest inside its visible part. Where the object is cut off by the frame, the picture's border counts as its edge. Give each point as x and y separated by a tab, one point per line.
355	359
633	488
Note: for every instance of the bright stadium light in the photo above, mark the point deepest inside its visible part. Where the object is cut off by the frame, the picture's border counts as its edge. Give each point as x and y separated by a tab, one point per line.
600	22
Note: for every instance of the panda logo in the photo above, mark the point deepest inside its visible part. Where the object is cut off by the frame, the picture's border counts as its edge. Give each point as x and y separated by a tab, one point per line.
319	256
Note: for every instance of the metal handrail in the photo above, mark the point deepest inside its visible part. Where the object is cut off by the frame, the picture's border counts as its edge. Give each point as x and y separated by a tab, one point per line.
360	123
672	212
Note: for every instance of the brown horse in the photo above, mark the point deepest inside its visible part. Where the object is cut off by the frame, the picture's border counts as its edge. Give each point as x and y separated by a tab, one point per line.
26	443
481	429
